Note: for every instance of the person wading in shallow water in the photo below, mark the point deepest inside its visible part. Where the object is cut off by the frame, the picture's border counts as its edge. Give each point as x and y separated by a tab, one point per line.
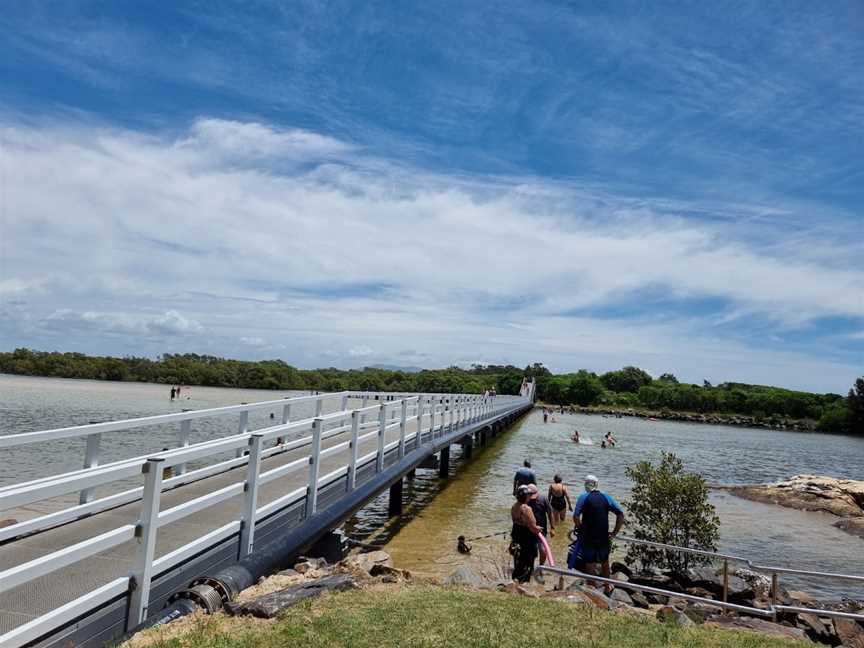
524	476
591	523
523	545
559	499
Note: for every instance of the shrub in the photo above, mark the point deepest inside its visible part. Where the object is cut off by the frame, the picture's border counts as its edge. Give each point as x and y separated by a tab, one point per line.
670	506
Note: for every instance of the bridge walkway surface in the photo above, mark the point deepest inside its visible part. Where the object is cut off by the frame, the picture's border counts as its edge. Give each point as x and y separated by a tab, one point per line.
352	456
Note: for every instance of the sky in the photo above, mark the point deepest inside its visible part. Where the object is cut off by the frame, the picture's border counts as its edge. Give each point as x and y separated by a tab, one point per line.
678	186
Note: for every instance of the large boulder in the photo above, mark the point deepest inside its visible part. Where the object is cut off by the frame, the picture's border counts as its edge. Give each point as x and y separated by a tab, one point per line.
464	577
816	629
673	616
365	561
757	625
849	632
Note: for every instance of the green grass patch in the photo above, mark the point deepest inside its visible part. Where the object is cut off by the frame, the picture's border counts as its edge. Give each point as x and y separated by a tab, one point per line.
436	617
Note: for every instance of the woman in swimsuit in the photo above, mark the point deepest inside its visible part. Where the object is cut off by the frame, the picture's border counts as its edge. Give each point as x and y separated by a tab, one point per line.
559	500
523	537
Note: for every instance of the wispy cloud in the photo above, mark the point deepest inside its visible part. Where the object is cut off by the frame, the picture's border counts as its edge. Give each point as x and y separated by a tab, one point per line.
156	228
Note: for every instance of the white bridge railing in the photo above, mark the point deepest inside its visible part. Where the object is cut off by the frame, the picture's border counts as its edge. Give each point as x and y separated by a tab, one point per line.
430	415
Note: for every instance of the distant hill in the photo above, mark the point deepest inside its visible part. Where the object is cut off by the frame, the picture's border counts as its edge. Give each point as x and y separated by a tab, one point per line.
395	368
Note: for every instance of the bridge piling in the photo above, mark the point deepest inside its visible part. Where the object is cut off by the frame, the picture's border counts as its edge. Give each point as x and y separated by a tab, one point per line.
444	462
395	505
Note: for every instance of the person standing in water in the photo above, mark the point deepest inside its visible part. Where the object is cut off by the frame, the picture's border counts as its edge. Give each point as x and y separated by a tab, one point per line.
575	438
523	537
559	499
610	440
542	516
591	523
524	476
173	392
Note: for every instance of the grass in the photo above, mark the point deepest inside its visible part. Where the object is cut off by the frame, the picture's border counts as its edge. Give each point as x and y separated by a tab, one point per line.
435	617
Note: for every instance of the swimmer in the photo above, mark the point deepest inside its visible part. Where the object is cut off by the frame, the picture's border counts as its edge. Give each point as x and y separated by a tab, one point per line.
462	546
603	444
575	438
609	439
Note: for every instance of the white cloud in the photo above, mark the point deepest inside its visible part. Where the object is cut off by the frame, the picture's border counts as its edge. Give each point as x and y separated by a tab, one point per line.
221	231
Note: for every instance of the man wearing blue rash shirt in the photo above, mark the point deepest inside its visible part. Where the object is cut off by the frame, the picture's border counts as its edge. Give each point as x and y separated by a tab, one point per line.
591	522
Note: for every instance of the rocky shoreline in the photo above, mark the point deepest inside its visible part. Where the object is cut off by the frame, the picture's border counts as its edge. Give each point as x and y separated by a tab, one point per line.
841	497
738	420
312	577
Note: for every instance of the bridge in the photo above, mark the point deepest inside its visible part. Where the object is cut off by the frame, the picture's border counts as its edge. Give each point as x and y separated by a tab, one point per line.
143	528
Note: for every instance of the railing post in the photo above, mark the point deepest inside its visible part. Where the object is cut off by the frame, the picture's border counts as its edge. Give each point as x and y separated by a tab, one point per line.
364	403
775	584
242	428
402	425
344	407
250	496
382	431
183	442
314	468
432	418
145	532
725	581
91	460
286	413
319	406
352	460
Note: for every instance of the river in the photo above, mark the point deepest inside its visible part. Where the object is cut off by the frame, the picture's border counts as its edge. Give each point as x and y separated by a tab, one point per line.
475	500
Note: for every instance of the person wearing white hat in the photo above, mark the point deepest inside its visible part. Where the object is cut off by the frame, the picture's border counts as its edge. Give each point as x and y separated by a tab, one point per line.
591	522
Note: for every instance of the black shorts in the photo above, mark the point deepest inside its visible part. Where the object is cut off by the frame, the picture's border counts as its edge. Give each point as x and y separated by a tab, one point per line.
596	554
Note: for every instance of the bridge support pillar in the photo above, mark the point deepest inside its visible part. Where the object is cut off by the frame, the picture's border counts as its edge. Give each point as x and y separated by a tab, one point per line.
467	447
444	462
483	437
411	474
332	547
395	505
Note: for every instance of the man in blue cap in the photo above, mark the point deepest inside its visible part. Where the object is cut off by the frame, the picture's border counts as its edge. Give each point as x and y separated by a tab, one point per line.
591	522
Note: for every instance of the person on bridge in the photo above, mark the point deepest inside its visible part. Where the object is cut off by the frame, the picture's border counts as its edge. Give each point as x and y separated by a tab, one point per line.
542	516
523	536
591	523
559	499
524	476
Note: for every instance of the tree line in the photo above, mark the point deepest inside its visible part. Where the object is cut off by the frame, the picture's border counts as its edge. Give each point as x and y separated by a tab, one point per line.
629	387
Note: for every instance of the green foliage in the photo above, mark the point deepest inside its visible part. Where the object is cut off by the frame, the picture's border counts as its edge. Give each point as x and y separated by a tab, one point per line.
835	418
855	405
194	369
671	506
628	379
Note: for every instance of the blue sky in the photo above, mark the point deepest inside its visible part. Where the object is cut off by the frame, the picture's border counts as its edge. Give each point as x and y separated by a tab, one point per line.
675	185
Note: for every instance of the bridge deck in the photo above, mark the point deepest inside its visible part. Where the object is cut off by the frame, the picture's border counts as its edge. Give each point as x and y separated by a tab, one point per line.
37	597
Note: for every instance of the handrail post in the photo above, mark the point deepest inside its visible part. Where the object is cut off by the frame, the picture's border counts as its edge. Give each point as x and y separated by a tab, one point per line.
250	497
402	426
286	413
145	531
775	583
382	431
725	581
319	406
242	428
432	418
314	468
183	442
352	461
344	407
363	404
91	460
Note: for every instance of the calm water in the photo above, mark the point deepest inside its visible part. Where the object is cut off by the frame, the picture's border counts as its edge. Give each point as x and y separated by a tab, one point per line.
476	499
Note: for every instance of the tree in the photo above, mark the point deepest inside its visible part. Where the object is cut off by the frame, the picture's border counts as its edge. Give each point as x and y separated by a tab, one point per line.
585	389
670	506
668	378
855	403
628	379
835	418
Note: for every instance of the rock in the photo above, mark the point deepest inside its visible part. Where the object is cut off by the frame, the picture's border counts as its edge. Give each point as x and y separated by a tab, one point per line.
288	572
757	625
620	596
389	578
841	497
621	568
270	605
677	603
815	629
653	579
699	613
760	584
464	577
639	599
673	616
800	598
853	525
849	632
387	570
621	577
594	597
365	561
701	592
306	565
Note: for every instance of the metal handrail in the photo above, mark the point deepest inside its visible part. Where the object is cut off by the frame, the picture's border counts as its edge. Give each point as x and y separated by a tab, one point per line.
770	611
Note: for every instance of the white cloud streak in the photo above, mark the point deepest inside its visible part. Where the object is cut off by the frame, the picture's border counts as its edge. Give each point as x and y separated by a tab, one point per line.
241	237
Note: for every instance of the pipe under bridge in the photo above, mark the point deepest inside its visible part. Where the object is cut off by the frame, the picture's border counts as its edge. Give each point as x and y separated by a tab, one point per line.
120	538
